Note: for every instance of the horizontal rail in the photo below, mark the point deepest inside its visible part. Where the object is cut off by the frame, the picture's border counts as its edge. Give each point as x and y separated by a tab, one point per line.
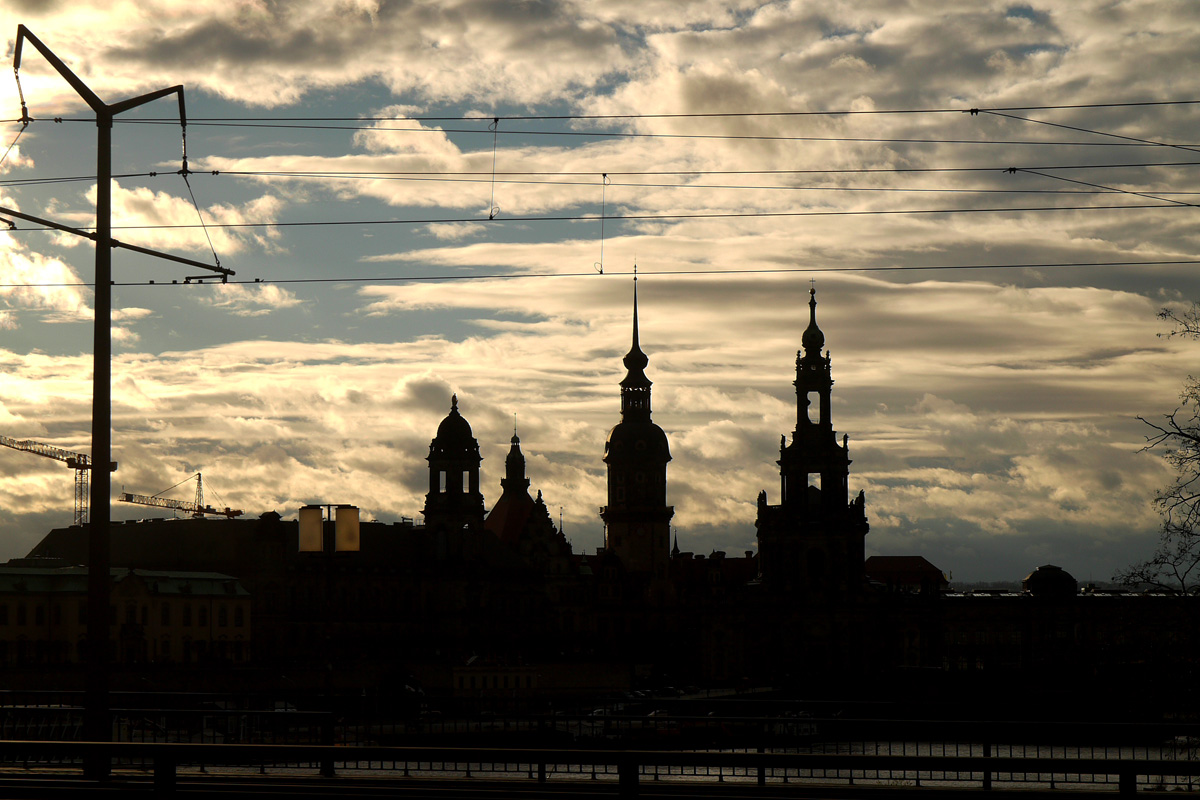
167	757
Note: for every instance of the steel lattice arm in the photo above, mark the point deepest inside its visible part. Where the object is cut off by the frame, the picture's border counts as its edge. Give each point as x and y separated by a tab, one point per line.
76	461
73	460
182	505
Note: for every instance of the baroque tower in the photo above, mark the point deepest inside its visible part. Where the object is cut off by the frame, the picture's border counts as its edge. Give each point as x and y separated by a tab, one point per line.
812	542
637	519
454	502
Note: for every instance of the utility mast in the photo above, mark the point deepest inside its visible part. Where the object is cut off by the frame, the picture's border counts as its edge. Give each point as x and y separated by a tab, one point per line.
97	718
79	462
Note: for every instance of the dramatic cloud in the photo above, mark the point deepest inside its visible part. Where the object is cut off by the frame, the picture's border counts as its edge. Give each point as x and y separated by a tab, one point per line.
245	301
987	282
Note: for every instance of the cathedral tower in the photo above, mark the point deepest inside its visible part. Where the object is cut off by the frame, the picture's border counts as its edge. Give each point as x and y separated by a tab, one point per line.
454	501
813	541
637	519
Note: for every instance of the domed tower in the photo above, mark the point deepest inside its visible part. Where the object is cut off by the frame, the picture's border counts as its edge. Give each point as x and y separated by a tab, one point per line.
813	541
637	519
454	501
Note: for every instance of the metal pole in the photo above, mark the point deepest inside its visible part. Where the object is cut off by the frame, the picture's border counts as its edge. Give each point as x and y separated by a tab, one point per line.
97	724
96	719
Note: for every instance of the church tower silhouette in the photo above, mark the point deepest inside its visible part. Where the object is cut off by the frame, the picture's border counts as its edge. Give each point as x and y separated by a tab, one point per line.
812	542
637	519
454	502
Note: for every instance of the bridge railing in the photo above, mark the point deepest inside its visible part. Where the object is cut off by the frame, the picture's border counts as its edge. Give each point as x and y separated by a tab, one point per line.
166	762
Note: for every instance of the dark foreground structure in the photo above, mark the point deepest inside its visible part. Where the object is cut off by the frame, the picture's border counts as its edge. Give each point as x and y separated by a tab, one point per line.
495	606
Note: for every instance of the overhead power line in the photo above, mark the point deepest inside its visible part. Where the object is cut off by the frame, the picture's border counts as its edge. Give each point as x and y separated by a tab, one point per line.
611	273
648	135
595	174
668	115
650	217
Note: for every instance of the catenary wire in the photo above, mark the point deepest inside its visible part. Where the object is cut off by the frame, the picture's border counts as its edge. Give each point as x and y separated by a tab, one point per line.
376	175
1126	139
592	184
699	114
815	171
611	273
589	184
639	135
1106	189
648	217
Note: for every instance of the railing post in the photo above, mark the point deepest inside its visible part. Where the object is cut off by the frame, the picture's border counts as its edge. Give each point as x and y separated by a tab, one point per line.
762	770
1128	781
627	776
327	740
164	773
987	773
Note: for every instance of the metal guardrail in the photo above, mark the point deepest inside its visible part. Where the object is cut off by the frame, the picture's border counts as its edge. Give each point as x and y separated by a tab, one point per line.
628	767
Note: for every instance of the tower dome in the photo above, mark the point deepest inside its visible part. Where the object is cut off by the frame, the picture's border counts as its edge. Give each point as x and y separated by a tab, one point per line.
1050	581
454	434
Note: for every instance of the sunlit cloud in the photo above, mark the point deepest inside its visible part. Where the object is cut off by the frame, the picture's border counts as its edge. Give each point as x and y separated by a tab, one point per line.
46	285
251	300
991	412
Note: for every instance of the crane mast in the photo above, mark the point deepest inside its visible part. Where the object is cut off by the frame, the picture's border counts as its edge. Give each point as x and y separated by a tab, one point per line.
79	462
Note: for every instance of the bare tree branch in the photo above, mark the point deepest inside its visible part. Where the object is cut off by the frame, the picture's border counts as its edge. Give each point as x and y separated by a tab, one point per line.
1176	560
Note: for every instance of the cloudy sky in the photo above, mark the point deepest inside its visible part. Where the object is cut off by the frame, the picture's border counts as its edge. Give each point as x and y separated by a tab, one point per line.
434	197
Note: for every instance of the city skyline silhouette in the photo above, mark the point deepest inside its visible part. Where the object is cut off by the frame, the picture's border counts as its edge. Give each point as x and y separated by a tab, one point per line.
991	412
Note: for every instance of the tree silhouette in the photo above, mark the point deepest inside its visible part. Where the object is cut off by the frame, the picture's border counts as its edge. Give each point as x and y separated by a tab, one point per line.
1175	564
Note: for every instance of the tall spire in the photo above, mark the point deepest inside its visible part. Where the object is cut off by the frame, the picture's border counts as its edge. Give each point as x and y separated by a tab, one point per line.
637	517
635	388
635	359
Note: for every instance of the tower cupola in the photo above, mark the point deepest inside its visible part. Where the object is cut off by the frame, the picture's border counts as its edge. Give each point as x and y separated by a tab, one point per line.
635	388
454	501
514	467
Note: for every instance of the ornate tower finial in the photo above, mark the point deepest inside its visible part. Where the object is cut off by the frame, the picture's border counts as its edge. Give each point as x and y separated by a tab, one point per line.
454	402
812	340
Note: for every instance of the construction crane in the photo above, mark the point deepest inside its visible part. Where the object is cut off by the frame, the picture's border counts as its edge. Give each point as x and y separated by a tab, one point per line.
77	461
198	508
